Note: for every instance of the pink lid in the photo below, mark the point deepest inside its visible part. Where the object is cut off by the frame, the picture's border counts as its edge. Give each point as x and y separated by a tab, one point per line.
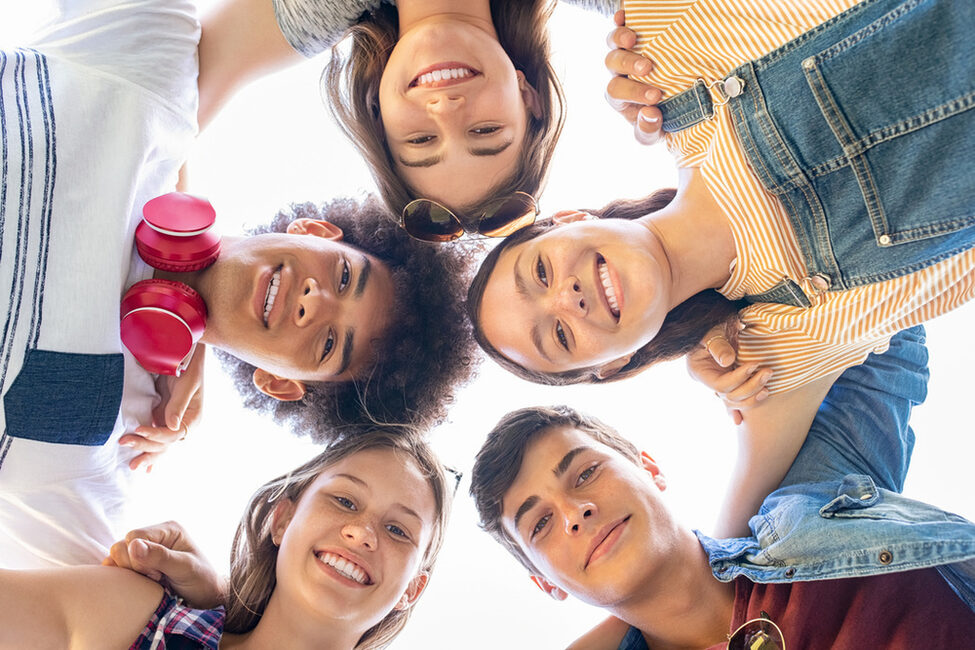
179	214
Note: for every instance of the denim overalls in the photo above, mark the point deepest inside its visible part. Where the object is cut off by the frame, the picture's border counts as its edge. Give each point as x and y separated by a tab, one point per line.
862	128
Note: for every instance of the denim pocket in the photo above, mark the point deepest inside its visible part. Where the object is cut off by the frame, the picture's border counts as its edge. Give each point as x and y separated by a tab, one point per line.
897	95
65	398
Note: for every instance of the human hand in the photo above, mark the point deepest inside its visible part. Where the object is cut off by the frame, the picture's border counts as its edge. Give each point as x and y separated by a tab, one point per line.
713	363
166	554
634	100
180	408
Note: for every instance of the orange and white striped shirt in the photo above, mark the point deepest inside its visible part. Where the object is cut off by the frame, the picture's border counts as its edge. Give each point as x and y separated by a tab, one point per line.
705	39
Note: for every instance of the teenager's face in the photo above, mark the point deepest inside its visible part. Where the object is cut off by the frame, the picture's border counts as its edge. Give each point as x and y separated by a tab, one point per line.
302	305
351	547
589	519
583	294
452	139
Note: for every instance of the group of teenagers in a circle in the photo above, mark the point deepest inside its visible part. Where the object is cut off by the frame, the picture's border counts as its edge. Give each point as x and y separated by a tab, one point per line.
822	214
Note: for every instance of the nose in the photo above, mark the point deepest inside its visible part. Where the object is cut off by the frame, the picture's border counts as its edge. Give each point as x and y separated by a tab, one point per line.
569	298
576	515
313	302
360	533
445	105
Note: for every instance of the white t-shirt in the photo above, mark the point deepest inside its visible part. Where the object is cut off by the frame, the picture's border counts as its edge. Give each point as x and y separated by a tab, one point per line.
95	119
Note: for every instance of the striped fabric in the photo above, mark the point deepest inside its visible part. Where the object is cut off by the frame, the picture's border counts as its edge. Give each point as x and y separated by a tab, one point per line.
704	39
27	176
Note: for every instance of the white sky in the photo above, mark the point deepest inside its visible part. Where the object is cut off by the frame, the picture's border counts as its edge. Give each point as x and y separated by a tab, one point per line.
249	166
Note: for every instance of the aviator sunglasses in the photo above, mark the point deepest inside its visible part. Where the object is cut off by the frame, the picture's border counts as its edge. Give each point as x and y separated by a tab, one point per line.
427	220
757	634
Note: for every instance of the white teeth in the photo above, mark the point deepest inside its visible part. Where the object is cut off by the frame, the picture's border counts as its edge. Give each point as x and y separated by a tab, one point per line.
344	567
272	292
440	75
609	289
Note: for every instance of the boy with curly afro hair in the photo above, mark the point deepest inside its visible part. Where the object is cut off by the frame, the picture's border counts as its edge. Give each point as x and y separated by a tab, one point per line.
424	351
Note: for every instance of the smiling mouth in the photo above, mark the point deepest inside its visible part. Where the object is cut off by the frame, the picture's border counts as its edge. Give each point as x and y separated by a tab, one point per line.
610	292
597	549
345	568
443	74
272	293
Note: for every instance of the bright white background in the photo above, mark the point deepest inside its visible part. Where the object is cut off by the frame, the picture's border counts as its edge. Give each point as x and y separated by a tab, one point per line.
275	144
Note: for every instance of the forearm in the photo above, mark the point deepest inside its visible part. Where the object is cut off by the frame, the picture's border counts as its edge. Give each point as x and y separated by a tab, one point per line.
240	42
769	438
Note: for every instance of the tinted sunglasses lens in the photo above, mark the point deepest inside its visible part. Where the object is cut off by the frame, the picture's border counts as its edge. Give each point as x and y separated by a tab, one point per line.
431	221
512	214
757	634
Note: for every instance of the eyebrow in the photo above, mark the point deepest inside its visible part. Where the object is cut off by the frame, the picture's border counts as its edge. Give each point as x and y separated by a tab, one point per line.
346	352
474	151
423	162
490	151
521	286
558	470
364	272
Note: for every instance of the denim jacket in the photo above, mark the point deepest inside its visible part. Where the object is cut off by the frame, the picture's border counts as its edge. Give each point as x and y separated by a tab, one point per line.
837	513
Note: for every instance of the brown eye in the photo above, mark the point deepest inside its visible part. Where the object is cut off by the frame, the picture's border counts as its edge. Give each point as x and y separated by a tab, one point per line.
540	272
560	334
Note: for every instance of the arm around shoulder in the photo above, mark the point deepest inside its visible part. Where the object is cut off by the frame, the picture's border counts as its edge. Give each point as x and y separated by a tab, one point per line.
74	607
241	41
769	439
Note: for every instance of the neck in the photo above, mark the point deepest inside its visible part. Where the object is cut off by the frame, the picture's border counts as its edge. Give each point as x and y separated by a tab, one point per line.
695	237
413	12
684	608
281	622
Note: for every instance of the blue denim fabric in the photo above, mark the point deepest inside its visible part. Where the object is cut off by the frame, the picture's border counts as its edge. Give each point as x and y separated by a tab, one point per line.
836	513
862	128
65	398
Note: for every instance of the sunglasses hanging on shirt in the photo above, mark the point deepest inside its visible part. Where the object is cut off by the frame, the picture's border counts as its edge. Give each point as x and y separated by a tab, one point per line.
427	220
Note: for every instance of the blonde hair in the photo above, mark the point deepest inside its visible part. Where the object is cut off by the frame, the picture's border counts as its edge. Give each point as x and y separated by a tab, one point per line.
254	555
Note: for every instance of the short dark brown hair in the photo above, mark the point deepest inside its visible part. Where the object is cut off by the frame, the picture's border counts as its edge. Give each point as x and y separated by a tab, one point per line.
681	330
350	85
499	460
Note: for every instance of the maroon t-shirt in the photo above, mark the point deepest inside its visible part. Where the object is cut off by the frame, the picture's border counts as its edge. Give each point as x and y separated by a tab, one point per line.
909	610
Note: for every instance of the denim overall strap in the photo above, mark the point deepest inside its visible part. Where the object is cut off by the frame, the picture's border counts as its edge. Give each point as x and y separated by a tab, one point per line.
686	109
862	128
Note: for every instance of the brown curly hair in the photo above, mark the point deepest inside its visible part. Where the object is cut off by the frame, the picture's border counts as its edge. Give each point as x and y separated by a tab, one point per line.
682	329
350	86
426	353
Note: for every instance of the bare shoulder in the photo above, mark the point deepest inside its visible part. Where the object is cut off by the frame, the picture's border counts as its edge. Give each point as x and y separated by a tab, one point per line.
74	607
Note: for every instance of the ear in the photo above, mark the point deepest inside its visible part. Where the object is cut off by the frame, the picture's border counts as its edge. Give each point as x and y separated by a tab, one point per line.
280	518
650	465
549	588
529	95
607	370
563	217
317	227
285	390
413	591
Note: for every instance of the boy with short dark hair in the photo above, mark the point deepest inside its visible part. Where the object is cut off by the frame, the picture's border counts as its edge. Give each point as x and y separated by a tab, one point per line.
837	558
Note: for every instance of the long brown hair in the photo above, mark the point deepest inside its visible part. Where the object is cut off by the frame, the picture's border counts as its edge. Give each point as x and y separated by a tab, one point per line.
681	330
254	555
350	85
